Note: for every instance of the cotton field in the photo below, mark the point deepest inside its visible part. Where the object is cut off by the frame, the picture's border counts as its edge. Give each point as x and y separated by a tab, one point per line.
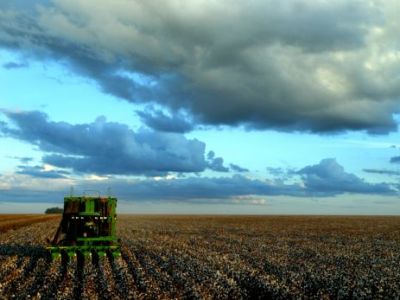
210	257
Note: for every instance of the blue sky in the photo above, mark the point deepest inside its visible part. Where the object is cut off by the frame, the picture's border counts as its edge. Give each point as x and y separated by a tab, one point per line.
201	107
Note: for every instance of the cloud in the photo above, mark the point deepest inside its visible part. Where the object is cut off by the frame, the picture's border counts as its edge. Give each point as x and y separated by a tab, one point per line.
197	188
382	172
3	128
292	66
237	168
216	163
15	65
282	174
329	178
191	189
23	195
325	179
23	160
276	171
159	121
105	147
395	159
41	172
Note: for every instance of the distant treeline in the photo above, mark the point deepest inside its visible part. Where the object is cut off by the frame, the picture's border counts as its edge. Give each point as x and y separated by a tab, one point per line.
54	210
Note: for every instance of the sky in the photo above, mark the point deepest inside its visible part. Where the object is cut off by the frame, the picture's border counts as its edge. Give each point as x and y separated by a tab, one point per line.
201	107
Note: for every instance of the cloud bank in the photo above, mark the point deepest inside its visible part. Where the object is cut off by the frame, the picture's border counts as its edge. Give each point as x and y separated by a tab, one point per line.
104	147
330	178
316	66
325	179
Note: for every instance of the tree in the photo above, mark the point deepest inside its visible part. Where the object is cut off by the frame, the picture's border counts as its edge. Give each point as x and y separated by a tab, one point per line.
54	210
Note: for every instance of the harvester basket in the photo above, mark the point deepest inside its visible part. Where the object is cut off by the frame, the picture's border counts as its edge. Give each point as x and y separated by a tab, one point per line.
88	226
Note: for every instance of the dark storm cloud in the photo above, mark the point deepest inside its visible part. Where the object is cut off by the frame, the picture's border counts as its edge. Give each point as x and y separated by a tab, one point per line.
237	168
382	172
328	177
106	147
159	121
15	65
395	159
304	65
40	172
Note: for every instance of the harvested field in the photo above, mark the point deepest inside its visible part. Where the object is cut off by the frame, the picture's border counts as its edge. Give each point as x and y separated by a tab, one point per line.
12	222
214	257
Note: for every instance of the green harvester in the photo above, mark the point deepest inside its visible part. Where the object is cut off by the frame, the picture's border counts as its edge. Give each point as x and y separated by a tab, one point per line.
87	227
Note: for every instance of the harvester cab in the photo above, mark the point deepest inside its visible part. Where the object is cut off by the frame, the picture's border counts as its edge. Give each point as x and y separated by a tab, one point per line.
88	226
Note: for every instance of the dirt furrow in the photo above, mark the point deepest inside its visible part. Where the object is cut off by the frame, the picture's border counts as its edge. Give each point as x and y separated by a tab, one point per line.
121	279
66	287
18	274
112	288
102	286
35	280
89	290
135	270
54	279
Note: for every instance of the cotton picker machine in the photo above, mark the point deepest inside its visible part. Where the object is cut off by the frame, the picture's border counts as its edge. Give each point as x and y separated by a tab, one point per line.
87	227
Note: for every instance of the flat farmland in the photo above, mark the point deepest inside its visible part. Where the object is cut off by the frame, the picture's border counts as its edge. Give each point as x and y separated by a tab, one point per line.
212	257
12	222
